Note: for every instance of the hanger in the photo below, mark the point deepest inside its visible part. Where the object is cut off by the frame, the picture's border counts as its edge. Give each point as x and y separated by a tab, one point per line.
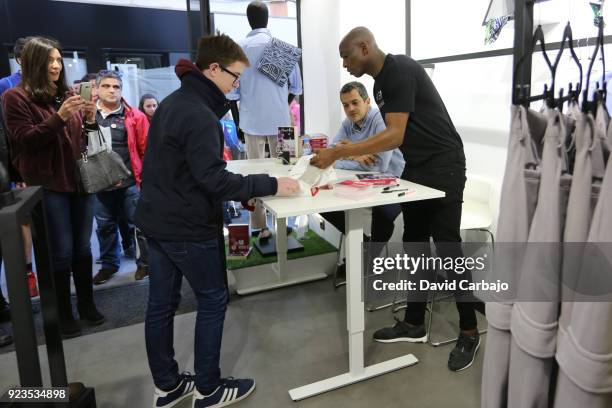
519	91
572	94
600	93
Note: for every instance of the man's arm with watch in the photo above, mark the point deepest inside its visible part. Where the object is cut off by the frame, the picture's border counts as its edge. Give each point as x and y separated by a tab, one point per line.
388	139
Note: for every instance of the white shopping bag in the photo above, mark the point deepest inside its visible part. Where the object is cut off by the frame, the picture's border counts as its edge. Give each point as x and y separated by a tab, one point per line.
310	177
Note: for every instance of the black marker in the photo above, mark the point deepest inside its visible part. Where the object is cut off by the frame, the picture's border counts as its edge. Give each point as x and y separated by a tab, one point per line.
401	194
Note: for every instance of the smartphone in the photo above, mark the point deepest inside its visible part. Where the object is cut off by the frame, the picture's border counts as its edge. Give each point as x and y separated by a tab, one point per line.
85	91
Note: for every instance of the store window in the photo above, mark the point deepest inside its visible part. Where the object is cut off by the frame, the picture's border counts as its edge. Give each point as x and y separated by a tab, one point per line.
230	18
145	73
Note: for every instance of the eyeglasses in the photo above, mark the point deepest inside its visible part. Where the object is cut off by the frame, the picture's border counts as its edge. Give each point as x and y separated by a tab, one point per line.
236	76
105	73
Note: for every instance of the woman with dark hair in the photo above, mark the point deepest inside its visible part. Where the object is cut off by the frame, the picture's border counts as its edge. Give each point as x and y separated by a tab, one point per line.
45	123
148	105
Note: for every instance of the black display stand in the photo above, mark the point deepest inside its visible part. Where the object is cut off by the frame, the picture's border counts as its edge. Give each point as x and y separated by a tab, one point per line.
19	207
267	247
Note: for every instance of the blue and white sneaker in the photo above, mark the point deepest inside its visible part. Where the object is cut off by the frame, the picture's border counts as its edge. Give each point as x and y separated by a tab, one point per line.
167	399
230	391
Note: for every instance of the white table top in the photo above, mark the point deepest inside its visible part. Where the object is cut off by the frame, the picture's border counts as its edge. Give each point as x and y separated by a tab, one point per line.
325	200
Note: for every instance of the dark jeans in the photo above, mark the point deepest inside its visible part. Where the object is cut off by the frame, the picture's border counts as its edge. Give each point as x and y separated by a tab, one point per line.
69	226
200	263
383	218
439	219
111	208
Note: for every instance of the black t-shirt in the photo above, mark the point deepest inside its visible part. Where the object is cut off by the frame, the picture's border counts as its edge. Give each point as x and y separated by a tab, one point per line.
403	86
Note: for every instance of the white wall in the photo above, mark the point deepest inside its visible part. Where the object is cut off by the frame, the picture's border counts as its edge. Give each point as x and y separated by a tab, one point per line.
324	23
321	64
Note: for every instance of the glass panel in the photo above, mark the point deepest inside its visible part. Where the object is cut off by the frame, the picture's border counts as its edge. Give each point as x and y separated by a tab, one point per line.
450	27
146	73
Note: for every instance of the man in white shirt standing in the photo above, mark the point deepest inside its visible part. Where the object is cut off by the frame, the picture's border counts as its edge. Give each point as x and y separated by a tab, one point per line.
264	104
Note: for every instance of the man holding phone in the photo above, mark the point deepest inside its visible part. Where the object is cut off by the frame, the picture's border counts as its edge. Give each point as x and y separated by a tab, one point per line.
125	130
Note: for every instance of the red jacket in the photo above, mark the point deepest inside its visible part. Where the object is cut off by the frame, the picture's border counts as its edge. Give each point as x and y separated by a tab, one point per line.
137	126
44	148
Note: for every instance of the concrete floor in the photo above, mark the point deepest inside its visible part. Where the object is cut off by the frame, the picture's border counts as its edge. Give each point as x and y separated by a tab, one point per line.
284	339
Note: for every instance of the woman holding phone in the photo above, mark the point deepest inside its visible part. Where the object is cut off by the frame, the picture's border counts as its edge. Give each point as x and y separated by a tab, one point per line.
45	121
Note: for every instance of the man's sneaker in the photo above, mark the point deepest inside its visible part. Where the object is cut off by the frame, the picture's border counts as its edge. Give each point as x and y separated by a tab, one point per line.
103	275
462	356
141	273
230	391
401	331
184	389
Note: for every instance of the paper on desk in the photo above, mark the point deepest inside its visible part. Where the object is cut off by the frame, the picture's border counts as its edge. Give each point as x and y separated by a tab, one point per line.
310	176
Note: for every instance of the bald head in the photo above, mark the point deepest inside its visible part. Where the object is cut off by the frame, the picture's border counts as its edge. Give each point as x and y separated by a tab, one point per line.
359	36
360	53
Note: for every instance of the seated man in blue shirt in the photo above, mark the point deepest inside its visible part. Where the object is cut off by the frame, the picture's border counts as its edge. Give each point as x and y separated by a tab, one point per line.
361	123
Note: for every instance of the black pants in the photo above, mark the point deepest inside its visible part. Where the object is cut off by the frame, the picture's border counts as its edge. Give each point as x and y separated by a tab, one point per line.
439	219
383	218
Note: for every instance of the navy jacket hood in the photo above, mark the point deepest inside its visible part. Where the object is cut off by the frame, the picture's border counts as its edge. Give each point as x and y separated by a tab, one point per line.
190	74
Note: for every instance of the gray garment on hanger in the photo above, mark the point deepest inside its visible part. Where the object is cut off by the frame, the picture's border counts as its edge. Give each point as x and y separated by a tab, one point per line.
579	211
584	352
513	226
602	120
534	323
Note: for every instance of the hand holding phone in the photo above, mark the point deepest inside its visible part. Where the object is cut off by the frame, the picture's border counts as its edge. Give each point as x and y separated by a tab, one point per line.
85	91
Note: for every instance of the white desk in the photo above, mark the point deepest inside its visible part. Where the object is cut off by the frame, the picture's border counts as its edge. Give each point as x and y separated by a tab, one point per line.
324	201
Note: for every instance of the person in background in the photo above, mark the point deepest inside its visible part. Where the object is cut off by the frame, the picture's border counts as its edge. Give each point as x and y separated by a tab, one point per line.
7	83
419	124
13	80
361	123
148	105
6	336
125	130
125	229
185	182
45	125
264	104
294	109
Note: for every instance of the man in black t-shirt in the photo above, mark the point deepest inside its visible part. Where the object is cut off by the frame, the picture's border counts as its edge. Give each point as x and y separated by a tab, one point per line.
419	124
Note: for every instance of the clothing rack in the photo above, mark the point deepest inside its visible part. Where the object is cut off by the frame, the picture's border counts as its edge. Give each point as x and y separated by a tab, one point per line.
525	40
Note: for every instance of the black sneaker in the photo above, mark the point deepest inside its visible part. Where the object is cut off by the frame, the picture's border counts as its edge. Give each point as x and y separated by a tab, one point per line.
401	331
184	390
462	356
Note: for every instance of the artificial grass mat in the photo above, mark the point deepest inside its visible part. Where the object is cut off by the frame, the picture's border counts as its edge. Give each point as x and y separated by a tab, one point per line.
313	245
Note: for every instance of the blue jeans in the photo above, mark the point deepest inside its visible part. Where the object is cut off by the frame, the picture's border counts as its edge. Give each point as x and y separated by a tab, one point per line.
200	263
69	226
112	206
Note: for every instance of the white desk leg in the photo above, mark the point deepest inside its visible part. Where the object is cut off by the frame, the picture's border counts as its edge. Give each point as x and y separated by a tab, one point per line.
281	248
355	323
354	302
